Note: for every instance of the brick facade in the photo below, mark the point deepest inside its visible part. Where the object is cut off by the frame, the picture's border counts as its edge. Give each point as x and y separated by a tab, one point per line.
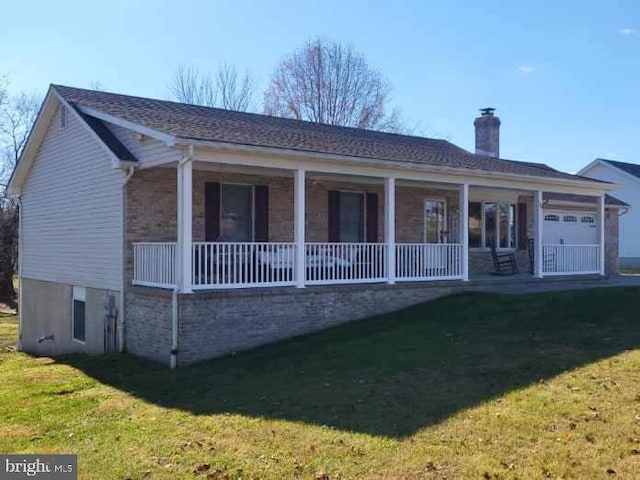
216	323
151	211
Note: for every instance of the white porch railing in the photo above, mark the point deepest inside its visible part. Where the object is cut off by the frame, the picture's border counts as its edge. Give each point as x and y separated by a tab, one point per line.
154	264
428	261
238	265
333	263
563	259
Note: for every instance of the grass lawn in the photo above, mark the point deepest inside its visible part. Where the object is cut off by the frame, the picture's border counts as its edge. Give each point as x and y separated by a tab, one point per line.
470	386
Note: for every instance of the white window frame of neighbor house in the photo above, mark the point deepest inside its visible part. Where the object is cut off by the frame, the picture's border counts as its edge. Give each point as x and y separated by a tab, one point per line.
79	295
512	206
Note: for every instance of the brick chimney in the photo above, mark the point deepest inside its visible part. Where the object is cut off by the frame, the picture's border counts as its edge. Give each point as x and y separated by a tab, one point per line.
487	133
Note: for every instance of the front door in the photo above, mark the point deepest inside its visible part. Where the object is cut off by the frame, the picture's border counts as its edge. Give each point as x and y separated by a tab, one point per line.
435	221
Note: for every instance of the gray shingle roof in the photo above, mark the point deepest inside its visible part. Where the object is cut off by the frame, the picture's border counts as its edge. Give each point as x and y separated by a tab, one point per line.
632	168
609	200
192	122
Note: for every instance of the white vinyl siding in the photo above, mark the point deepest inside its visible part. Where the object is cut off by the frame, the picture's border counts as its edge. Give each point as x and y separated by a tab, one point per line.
146	151
628	191
72	210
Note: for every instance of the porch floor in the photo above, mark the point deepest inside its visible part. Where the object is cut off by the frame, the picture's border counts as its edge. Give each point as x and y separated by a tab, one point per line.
518	283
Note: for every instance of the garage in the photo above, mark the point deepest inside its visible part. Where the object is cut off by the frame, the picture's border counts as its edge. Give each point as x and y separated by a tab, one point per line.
570	227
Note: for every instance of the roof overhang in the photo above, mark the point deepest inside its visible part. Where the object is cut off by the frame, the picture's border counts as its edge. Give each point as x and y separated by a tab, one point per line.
45	115
604	163
464	174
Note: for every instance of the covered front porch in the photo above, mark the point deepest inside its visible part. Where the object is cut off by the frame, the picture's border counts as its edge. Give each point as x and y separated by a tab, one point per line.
204	225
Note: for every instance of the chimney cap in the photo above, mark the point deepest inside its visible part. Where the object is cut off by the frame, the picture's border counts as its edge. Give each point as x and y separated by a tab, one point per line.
487	111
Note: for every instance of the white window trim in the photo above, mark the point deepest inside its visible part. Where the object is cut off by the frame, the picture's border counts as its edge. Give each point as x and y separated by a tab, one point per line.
79	294
431	198
484	247
363	193
253	206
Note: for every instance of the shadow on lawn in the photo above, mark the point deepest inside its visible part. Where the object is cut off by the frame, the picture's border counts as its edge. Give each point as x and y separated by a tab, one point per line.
395	374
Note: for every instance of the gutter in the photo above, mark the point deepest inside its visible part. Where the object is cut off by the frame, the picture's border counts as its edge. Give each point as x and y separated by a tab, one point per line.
123	253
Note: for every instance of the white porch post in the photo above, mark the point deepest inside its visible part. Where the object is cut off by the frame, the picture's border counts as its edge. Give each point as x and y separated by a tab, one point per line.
601	236
184	244
390	227
464	230
537	225
299	226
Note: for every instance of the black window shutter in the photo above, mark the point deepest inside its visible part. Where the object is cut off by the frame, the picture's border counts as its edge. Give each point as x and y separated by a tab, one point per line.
522	226
211	211
261	210
372	217
334	216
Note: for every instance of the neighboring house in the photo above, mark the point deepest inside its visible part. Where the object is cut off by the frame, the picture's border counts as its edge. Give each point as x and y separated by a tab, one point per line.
180	233
626	176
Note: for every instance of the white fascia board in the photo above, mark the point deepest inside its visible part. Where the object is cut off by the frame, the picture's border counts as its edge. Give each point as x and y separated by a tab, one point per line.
317	162
169	140
583	170
609	165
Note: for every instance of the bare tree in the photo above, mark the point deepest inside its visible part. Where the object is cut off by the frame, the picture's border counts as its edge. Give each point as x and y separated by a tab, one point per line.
17	114
328	82
235	93
226	89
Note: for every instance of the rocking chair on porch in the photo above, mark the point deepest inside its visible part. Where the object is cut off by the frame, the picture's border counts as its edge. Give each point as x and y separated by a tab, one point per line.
504	263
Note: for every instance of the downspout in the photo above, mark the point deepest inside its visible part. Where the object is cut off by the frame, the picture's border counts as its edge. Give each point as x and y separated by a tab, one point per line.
19	344
174	297
174	328
123	253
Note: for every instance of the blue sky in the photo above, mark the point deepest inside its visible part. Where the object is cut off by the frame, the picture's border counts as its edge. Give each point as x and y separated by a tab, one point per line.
564	76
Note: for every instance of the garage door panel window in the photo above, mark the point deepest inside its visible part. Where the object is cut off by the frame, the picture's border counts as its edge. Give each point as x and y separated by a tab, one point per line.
570	228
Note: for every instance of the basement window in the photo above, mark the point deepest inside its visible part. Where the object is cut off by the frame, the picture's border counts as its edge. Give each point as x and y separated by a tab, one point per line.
78	314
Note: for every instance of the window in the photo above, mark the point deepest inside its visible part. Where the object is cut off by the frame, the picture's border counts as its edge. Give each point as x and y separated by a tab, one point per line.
435	222
475	224
570	219
352	215
236	213
588	219
551	218
507	212
78	313
492	222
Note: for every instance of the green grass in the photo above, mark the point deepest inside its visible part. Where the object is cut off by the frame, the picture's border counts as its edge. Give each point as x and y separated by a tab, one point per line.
470	386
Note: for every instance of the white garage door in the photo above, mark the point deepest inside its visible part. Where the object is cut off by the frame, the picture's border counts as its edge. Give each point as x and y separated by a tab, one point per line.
570	227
